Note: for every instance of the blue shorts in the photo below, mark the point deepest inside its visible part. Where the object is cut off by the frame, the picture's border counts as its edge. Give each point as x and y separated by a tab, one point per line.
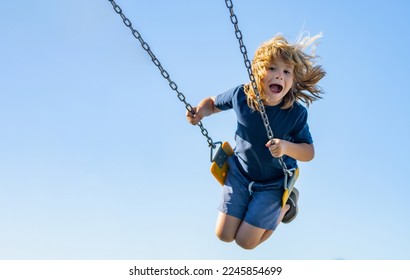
256	203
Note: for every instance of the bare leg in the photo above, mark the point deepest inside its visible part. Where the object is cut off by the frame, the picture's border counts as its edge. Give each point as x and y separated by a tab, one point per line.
229	228
226	227
249	236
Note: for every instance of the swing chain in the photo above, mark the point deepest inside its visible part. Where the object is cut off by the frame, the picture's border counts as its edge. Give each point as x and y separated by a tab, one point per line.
163	72
248	65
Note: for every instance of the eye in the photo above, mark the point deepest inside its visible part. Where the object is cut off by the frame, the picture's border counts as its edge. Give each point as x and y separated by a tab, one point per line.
271	68
288	72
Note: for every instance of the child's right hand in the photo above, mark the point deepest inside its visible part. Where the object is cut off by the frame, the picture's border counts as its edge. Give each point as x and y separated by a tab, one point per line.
205	108
195	116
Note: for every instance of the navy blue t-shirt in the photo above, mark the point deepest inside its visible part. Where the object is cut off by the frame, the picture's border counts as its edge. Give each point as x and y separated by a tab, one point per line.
251	137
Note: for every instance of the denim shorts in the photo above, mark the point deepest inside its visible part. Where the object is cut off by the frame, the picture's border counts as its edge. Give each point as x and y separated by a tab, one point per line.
256	203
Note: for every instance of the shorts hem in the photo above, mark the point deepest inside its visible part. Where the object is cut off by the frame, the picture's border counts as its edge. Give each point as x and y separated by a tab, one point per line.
235	215
265	227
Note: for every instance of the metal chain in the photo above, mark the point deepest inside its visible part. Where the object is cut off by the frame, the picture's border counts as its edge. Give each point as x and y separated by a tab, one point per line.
164	73
248	65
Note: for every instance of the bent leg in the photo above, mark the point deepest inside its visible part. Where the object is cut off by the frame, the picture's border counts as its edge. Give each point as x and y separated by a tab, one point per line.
249	236
229	228
226	227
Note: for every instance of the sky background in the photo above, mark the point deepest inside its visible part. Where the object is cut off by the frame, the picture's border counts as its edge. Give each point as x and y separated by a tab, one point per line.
97	160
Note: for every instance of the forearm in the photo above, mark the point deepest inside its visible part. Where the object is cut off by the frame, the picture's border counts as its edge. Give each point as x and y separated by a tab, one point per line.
299	151
205	108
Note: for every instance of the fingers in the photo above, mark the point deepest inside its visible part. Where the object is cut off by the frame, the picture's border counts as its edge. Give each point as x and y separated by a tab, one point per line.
274	146
193	116
272	142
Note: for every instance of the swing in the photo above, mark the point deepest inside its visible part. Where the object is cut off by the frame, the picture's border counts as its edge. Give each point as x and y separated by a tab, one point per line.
219	167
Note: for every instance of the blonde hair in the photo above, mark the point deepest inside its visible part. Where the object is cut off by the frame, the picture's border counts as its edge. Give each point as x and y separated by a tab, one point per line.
306	73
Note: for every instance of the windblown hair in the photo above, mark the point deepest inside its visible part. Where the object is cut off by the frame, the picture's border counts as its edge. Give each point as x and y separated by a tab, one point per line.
306	73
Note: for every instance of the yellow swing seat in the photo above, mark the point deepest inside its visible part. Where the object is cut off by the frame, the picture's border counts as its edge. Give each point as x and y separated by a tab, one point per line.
290	185
219	166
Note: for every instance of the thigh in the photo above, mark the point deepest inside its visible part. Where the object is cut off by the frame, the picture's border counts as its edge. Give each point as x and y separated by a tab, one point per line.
226	227
249	236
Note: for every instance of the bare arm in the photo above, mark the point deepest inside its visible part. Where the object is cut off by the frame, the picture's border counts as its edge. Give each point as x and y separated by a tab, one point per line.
205	108
298	151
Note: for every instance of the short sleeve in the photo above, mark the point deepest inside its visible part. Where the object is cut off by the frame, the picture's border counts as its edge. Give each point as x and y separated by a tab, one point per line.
224	101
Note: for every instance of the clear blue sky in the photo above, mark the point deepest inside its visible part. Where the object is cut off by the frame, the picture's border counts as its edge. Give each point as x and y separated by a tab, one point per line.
97	160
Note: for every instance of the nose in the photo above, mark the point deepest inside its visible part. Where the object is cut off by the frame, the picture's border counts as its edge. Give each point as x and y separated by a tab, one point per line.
279	77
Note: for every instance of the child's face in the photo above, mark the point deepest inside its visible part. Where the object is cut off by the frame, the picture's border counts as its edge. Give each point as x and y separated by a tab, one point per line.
277	82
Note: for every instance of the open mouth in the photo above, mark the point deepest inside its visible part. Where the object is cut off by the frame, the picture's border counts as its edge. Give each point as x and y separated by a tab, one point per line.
275	88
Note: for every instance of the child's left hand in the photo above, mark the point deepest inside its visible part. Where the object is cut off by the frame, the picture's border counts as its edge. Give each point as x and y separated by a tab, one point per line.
276	147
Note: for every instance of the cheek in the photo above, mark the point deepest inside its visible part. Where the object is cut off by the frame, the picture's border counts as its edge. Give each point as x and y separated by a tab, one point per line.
289	87
263	83
290	82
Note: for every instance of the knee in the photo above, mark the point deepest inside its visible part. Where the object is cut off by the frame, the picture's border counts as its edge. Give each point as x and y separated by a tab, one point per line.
246	243
225	237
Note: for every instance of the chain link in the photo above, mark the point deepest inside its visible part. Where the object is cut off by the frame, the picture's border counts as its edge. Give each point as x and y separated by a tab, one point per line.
248	65
163	72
